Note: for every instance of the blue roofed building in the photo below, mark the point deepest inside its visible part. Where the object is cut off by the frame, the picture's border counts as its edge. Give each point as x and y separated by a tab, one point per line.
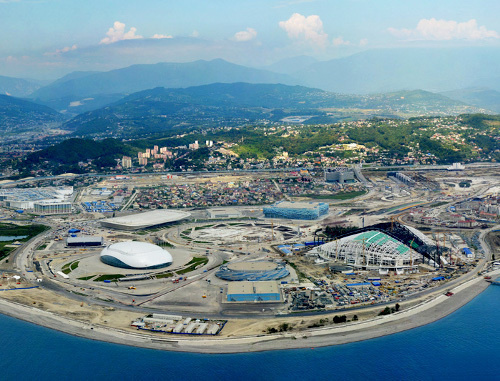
296	210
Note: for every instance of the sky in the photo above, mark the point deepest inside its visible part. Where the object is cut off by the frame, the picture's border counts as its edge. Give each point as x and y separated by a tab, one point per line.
47	39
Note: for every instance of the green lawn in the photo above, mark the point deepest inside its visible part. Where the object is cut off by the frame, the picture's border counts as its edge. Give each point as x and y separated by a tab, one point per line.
112	277
164	275
193	264
86	277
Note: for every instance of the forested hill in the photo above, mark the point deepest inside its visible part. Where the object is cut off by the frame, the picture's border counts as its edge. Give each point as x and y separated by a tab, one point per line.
160	109
166	74
65	156
17	115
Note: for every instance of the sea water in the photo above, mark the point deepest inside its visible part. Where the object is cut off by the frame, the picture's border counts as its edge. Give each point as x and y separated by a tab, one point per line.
462	346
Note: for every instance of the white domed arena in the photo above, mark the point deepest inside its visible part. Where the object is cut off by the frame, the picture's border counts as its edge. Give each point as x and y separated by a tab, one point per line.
136	255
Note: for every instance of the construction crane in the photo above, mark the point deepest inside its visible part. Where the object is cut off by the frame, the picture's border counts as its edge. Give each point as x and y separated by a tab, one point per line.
411	254
437	250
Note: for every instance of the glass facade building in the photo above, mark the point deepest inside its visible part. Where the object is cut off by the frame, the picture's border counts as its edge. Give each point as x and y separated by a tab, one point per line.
296	210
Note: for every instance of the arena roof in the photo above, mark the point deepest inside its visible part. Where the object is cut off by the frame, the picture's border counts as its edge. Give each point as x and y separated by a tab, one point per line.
136	255
370	249
296	204
263	287
145	220
252	266
84	240
252	271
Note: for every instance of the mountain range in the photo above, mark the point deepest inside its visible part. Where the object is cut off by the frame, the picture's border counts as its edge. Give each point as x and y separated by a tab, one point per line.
120	82
477	96
367	72
18	87
222	104
18	115
385	80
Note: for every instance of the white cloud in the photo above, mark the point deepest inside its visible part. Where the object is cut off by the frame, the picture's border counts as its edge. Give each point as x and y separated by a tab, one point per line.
117	33
301	28
442	30
245	35
161	36
195	33
339	41
63	50
363	42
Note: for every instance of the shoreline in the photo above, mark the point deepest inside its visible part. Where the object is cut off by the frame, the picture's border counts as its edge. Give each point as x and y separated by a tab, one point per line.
422	314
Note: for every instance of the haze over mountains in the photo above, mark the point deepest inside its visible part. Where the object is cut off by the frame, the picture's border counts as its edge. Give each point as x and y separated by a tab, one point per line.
386	70
141	77
17	115
466	75
379	70
222	104
18	87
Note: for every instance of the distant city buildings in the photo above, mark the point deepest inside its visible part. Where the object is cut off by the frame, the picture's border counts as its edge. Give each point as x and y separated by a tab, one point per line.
126	162
339	175
48	200
456	167
52	207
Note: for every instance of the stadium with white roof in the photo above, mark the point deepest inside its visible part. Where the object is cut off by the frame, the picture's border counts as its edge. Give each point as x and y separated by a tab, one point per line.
145	220
136	255
371	250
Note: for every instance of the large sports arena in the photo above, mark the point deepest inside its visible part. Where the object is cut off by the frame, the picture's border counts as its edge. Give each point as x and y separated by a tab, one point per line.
145	220
252	271
296	210
371	249
136	255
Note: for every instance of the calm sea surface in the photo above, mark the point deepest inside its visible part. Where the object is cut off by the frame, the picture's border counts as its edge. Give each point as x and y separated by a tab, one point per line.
462	346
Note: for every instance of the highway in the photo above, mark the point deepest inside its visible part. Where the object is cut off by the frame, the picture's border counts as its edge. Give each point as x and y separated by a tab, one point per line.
366	167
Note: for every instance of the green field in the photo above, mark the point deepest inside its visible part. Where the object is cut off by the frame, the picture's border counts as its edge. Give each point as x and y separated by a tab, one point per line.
193	264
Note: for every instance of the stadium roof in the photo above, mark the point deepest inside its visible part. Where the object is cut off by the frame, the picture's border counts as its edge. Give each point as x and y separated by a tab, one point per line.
262	287
296	204
145	220
379	238
136	255
252	266
84	239
370	249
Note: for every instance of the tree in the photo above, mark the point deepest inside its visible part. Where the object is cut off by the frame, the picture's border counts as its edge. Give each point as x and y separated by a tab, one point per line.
386	311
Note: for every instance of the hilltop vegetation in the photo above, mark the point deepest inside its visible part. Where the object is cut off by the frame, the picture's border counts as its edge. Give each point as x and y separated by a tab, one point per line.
17	115
66	156
382	141
445	140
160	110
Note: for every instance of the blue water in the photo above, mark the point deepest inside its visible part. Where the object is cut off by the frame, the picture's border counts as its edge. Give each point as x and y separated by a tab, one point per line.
462	346
11	238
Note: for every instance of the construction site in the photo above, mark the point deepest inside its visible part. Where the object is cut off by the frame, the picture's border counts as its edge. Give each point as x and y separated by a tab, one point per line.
373	250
